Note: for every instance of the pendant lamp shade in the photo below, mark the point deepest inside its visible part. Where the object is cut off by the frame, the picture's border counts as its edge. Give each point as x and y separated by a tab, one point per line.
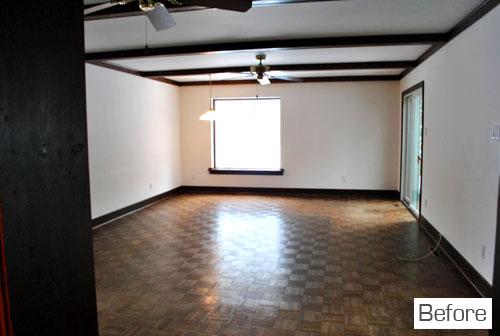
209	115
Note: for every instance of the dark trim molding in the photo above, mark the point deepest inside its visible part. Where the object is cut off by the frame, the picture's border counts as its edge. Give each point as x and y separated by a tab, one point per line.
468	271
428	53
154	76
287	67
131	72
483	9
385	194
413	88
115	67
131	208
245	171
321	42
163	80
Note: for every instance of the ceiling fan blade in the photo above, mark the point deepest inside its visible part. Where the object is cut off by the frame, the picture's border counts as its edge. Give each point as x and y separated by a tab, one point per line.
160	17
264	80
288	78
99	7
241	77
232	5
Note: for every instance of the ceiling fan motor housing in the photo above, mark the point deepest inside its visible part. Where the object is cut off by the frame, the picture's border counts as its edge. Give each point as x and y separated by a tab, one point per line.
260	70
147	5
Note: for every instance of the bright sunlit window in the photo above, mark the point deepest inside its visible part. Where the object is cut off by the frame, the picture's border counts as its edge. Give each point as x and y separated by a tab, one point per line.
247	134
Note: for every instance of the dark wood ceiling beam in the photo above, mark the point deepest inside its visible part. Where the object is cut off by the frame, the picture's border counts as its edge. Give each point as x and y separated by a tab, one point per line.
115	67
428	53
286	67
131	72
164	80
306	80
232	82
322	42
483	9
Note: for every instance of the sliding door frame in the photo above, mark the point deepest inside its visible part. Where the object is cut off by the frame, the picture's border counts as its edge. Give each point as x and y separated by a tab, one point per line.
403	94
496	274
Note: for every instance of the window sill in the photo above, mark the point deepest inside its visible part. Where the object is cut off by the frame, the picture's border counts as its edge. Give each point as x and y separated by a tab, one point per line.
246	171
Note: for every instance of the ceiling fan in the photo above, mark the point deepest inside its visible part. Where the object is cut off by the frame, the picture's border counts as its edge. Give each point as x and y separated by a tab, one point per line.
262	73
158	14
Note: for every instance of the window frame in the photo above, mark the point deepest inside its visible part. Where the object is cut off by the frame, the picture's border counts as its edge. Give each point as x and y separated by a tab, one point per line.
238	171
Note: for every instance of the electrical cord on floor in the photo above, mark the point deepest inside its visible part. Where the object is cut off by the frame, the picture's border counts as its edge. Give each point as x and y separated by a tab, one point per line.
425	256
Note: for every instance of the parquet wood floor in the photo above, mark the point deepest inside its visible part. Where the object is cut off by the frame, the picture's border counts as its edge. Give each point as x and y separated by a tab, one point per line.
267	265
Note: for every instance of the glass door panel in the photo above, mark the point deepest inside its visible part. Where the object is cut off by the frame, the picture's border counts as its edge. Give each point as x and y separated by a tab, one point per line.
412	146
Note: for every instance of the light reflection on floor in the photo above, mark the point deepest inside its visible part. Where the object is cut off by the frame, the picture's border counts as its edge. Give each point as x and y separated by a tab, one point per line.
266	265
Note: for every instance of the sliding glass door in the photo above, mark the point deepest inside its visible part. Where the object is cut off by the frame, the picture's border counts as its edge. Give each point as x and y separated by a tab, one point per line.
411	181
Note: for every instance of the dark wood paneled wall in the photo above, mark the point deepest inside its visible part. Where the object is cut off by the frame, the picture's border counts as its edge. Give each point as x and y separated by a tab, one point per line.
44	183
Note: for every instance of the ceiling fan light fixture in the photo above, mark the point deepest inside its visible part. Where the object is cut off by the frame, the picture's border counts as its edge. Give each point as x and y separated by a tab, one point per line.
209	115
263	80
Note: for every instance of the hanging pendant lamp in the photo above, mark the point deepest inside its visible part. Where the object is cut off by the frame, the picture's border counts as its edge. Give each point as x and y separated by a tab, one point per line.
210	114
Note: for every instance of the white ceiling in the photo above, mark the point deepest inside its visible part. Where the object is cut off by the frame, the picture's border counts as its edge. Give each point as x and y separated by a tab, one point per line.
301	20
299	74
297	56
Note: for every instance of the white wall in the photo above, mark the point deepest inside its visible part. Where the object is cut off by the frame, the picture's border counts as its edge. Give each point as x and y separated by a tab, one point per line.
134	138
329	131
461	163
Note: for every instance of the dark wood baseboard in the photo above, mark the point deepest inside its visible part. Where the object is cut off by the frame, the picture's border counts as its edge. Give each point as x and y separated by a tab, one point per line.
469	272
131	208
385	194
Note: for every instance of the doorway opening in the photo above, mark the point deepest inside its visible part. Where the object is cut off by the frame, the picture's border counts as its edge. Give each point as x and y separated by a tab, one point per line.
412	145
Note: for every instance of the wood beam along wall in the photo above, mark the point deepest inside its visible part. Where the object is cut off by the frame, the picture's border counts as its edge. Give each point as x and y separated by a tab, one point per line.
483	9
159	75
103	58
290	44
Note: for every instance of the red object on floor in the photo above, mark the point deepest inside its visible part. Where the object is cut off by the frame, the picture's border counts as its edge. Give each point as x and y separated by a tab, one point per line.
5	322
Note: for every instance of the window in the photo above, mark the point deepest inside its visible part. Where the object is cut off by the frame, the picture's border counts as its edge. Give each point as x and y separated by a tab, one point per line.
247	136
